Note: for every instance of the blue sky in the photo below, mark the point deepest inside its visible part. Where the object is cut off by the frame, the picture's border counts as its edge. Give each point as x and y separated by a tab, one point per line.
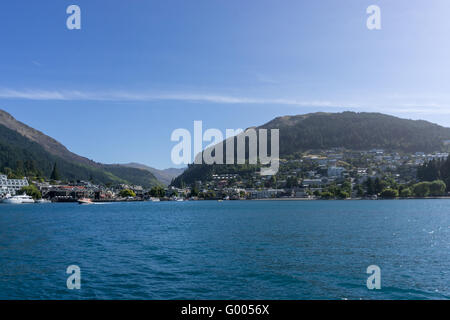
116	89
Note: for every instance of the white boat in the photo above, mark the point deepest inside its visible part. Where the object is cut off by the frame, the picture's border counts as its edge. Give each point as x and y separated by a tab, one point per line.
43	201
85	201
20	199
155	199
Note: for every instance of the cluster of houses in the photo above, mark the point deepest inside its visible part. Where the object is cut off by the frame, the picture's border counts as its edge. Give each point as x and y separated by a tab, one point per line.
60	192
315	172
297	177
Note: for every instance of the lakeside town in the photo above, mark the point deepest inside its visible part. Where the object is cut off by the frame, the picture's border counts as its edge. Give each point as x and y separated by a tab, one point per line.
331	174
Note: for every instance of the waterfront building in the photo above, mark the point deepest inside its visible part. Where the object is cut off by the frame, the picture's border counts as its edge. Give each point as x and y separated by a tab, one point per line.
11	186
265	193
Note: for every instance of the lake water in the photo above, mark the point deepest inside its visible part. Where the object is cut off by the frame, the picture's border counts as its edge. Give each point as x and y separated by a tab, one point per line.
227	250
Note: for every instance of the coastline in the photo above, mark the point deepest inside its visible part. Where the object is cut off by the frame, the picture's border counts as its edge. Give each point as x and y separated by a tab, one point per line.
352	199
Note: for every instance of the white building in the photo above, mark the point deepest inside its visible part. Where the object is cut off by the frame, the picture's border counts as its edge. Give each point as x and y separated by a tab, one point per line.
11	186
265	194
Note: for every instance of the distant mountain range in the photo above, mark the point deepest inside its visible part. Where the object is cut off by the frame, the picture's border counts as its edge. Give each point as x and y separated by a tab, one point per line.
164	176
27	151
349	130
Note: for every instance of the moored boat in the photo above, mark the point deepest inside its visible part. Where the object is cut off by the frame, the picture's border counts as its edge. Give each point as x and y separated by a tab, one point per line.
19	199
85	201
43	201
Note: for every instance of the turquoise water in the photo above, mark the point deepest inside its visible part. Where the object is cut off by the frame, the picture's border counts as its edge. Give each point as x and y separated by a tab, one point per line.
227	250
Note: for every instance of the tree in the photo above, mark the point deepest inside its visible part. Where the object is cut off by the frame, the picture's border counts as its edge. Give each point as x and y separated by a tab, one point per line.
291	182
347	187
359	190
379	185
389	193
326	195
194	192
429	171
158	192
435	170
127	193
55	174
421	189
32	191
370	185
343	194
406	193
437	188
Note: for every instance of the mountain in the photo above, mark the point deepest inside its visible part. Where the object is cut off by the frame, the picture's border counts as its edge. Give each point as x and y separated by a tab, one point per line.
49	144
357	131
28	151
349	130
164	176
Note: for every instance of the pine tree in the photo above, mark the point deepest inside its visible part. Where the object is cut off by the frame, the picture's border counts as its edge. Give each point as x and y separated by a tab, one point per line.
55	173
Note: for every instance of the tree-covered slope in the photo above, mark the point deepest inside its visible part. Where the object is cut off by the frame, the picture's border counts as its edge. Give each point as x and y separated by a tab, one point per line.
357	131
22	156
164	176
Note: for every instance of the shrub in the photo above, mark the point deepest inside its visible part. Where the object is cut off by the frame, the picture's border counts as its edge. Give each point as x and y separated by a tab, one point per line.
32	191
437	188
326	195
343	195
406	193
421	189
389	193
127	193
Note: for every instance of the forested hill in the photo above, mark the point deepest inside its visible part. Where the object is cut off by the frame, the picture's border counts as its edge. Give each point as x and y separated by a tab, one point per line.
357	131
349	130
25	151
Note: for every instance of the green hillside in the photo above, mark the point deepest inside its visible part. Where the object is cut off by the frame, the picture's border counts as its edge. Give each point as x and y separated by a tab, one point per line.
357	131
21	156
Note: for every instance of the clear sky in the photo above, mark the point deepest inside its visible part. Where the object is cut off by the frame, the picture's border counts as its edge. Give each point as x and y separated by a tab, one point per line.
116	89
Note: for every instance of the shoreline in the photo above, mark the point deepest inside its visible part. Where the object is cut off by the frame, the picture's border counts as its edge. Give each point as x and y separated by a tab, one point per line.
352	199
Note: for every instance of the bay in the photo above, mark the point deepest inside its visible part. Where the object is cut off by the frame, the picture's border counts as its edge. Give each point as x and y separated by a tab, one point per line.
227	250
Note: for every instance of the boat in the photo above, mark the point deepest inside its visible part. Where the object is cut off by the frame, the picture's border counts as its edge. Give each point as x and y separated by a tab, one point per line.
155	199
19	199
43	201
85	201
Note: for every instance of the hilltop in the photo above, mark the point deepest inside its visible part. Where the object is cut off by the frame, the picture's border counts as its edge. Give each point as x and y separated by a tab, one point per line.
357	131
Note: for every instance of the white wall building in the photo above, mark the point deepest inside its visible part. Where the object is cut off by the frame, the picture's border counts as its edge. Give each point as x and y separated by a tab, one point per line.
265	193
11	186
